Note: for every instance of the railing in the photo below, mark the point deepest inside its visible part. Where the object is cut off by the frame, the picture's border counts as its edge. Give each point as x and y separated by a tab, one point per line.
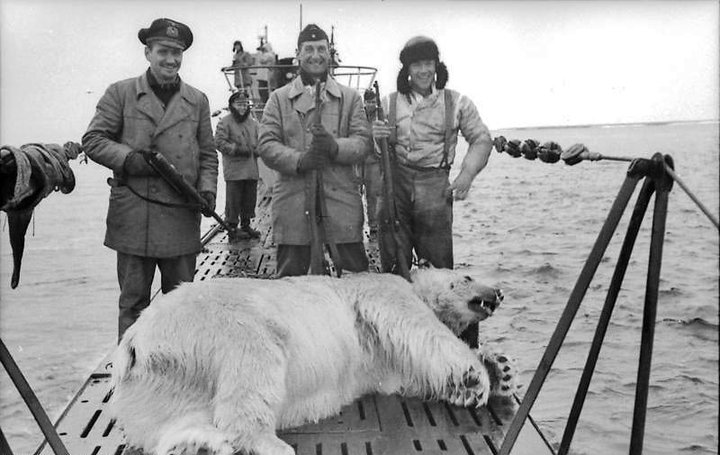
33	404
359	78
658	176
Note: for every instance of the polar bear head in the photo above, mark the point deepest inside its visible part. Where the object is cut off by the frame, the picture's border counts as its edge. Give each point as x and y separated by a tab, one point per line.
457	299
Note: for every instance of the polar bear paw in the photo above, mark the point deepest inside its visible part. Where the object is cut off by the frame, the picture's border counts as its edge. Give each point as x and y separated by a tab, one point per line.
503	373
471	390
196	442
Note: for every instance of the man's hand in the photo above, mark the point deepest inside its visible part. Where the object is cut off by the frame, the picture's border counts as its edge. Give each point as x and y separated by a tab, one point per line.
460	187
136	165
381	129
311	160
241	150
209	198
323	142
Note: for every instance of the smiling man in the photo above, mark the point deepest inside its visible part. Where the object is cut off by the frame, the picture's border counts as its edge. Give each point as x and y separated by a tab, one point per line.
148	223
424	119
294	143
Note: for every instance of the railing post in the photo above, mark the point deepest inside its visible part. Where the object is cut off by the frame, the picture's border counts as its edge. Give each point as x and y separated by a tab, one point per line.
31	400
568	314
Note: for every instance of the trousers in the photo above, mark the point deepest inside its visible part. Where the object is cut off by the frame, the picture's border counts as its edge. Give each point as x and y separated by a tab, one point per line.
135	277
294	260
240	200
424	216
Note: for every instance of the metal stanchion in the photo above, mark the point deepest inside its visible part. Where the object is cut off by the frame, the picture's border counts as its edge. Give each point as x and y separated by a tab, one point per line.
657	180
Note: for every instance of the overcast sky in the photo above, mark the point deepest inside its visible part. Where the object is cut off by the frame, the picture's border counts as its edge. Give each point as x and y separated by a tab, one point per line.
523	63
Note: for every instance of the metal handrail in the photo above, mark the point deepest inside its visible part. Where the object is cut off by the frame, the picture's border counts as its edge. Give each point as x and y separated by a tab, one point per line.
349	71
32	402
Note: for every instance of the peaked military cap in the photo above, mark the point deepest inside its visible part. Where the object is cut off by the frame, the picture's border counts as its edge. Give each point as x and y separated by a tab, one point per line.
168	32
311	33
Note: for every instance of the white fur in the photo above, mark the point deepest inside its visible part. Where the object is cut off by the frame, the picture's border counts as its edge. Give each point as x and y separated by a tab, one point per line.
221	364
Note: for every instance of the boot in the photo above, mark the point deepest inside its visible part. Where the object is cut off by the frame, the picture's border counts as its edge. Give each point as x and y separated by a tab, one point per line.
234	234
245	227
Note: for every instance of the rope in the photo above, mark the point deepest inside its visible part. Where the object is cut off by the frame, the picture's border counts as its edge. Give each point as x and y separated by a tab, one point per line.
697	202
551	152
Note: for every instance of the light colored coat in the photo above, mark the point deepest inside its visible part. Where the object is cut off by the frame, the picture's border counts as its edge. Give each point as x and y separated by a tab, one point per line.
285	136
130	117
421	127
233	137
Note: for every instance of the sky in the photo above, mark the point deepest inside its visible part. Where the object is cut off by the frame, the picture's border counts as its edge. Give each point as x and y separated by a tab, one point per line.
523	63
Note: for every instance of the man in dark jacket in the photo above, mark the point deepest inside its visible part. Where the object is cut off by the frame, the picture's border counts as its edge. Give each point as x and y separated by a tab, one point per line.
156	112
292	143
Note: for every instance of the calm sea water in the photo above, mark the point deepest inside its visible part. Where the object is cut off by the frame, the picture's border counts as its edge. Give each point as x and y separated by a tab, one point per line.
527	226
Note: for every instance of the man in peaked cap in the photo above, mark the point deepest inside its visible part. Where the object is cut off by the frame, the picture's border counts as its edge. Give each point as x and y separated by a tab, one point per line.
236	138
296	145
149	225
424	119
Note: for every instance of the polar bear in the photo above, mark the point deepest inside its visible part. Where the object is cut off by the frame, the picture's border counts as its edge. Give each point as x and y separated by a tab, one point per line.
217	366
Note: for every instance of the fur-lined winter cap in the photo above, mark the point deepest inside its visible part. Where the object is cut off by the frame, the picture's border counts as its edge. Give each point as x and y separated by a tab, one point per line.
419	48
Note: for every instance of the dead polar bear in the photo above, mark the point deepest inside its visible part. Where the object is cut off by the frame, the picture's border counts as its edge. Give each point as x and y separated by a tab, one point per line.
221	364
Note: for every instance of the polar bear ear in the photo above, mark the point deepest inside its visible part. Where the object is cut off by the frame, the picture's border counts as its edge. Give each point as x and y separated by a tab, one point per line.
424	264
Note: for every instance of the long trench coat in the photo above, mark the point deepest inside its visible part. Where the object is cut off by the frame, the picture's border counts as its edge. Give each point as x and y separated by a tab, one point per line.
130	117
285	136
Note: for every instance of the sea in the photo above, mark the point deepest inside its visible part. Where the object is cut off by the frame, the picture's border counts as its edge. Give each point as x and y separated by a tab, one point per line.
527	227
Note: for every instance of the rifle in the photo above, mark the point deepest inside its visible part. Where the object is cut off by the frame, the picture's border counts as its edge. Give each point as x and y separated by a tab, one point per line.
318	213
389	190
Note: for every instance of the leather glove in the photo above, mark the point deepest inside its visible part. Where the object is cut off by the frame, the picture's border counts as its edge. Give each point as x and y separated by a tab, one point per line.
324	142
136	165
311	160
209	198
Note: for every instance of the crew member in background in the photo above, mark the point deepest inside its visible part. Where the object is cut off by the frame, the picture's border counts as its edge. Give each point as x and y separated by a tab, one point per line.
241	61
146	223
264	76
371	175
236	138
293	145
422	127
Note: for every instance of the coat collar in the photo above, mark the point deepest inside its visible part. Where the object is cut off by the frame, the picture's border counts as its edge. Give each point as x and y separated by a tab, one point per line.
297	88
180	106
302	99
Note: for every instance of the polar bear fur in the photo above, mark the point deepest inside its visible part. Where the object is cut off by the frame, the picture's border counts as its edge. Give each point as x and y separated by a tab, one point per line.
221	364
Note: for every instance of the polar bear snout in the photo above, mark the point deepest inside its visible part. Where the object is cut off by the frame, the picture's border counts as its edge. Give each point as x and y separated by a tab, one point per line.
486	302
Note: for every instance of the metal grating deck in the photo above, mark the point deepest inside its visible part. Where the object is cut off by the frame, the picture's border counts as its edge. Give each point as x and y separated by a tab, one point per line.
373	425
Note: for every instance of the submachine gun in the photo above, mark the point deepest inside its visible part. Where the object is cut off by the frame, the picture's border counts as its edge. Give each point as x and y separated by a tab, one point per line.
389	192
178	183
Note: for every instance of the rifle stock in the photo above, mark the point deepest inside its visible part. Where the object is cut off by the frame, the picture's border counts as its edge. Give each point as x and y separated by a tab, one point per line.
389	190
